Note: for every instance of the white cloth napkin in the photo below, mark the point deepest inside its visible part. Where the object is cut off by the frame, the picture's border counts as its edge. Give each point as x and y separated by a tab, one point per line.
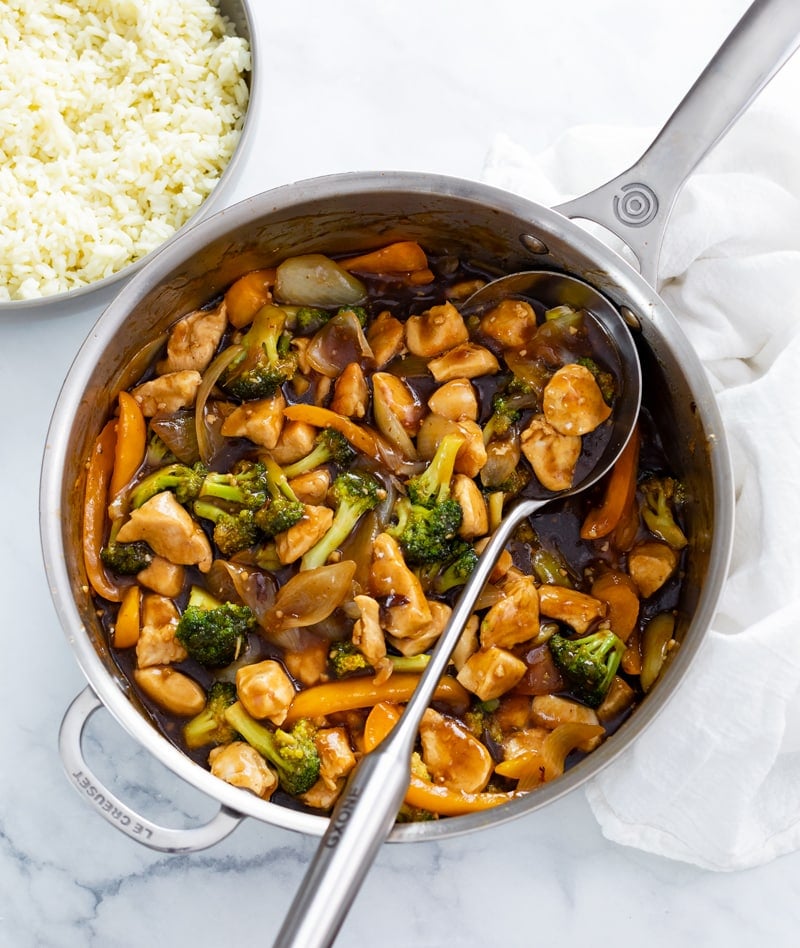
715	780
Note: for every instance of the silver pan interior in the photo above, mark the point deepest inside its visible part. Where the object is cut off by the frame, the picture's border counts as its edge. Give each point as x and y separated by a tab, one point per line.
348	213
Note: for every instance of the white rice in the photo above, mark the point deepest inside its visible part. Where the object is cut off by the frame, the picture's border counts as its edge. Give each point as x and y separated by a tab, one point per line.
117	118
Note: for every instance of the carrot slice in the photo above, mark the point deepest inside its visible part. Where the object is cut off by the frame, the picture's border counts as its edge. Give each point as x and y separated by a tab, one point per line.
98	476
361	439
130	445
620	489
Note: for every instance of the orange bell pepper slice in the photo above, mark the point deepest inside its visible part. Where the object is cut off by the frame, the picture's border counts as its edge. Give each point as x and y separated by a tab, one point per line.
131	444
403	256
620	490
433	797
348	694
128	624
361	439
98	476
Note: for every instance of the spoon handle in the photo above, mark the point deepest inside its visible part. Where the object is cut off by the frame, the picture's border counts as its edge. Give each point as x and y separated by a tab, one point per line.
636	204
366	810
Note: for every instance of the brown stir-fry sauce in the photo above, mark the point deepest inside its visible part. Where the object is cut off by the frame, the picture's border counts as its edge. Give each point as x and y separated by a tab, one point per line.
284	508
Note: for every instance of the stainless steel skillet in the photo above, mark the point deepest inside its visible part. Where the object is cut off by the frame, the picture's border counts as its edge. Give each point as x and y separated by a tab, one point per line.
352	212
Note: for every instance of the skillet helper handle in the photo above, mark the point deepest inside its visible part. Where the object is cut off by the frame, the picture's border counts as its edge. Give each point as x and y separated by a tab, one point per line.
636	204
366	810
112	809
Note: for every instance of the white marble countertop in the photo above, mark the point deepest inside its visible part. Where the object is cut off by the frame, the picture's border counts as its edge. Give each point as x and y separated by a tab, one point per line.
388	84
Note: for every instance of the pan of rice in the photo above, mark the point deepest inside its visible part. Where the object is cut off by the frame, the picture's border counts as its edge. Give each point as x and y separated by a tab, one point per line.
123	122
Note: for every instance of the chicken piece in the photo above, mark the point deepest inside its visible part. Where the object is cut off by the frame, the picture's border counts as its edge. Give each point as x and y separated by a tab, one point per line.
407	611
241	765
311	487
577	609
619	698
260	420
467	360
309	664
453	756
336	757
171	690
525	741
510	323
552	455
551	710
515	617
504	562
368	637
167	393
350	393
245	297
170	530
194	340
467	643
162	577
491	672
395	394
471	455
475	516
572	401
157	644
422	640
650	565
265	690
386	338
464	289
513	713
297	540
455	400
321	796
296	440
435	331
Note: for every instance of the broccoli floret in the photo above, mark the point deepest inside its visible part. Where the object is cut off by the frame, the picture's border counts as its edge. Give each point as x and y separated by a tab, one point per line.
426	534
481	722
432	486
266	361
126	559
660	495
245	485
210	725
588	664
346	659
458	569
282	509
605	380
309	320
185	483
330	445
292	753
354	494
234	531
507	407
213	633
514	484
158	451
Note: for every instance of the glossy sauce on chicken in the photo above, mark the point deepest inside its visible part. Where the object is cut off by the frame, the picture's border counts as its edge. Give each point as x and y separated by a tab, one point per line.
293	494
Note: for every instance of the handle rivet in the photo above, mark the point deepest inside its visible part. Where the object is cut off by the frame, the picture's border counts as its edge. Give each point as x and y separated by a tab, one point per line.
529	242
630	318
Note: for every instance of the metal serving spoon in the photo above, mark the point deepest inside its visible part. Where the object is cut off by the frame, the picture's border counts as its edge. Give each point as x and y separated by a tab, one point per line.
366	810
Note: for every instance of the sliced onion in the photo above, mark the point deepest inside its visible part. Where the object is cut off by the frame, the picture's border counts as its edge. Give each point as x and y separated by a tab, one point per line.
311	596
316	280
210	378
340	342
177	431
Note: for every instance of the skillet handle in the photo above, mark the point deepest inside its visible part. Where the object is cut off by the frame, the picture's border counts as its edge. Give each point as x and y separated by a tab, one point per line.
112	809
636	204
